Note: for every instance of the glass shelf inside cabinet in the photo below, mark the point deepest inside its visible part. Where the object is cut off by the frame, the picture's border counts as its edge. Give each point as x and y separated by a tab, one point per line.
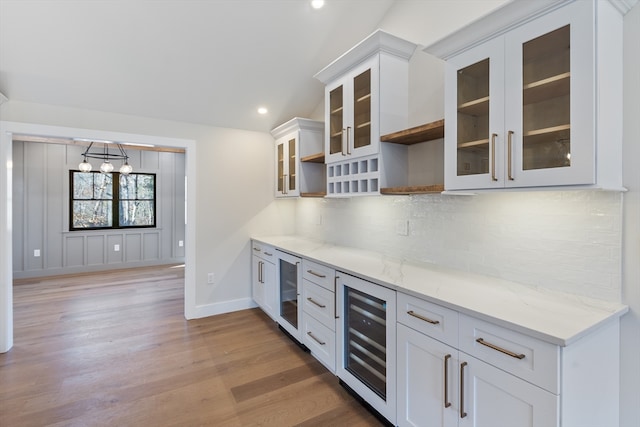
336	107
362	109
546	91
473	119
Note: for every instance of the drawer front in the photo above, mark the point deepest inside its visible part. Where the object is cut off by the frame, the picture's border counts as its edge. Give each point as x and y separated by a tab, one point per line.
526	357
321	341
320	303
266	252
319	274
430	319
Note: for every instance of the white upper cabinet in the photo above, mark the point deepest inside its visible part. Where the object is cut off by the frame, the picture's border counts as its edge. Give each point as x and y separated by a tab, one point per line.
533	97
366	95
299	158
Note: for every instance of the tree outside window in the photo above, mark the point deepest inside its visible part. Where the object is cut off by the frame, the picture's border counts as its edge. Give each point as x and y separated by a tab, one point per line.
112	200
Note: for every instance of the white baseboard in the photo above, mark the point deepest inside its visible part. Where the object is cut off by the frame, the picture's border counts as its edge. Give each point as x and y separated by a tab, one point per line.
223	307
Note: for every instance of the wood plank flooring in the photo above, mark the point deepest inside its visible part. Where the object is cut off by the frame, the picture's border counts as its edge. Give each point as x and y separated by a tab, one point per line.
114	349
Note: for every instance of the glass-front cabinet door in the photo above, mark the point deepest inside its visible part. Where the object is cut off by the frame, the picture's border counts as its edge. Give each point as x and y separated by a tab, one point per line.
352	112
287	166
474	149
289	280
523	108
549	112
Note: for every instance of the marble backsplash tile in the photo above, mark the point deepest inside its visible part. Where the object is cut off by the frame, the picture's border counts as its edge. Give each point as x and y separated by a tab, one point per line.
563	240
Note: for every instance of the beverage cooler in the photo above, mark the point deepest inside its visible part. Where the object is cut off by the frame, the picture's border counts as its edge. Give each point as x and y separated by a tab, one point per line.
289	280
366	342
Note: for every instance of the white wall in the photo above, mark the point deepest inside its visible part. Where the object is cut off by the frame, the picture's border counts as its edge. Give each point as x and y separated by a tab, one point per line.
630	329
234	200
41	214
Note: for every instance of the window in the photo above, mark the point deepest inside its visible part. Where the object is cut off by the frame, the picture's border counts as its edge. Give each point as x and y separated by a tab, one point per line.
112	200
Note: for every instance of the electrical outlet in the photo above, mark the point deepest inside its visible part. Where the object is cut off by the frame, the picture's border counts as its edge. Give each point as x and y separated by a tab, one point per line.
36	252
116	248
180	243
211	278
402	227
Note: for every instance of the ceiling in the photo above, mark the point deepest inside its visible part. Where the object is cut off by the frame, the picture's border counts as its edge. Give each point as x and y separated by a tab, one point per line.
210	62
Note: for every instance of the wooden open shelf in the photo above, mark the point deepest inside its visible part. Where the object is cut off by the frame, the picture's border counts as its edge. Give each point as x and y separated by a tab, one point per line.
313	158
422	133
418	189
316	194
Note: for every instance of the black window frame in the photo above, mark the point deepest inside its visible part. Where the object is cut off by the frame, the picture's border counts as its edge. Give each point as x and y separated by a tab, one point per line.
115	201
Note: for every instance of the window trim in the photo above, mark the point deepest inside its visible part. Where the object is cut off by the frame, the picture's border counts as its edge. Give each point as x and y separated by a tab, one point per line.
115	202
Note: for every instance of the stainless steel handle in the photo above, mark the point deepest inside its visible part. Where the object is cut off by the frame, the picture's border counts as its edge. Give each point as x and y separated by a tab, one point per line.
348	131
462	412
509	160
256	249
446	381
500	349
426	319
260	272
311	300
335	297
316	274
316	339
268	254
493	156
342	142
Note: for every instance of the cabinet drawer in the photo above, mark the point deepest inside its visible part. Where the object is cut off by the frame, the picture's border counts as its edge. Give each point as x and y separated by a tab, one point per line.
319	274
266	252
526	357
430	319
321	341
320	303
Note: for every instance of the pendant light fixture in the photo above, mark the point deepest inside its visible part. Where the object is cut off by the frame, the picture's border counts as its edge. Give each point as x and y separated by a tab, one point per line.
106	157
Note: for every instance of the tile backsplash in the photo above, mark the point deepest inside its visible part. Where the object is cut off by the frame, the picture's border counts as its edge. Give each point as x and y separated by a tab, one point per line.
562	240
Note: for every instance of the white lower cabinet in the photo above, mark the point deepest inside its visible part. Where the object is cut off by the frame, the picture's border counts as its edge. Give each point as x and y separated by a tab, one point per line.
419	363
490	397
427	380
319	312
440	386
263	278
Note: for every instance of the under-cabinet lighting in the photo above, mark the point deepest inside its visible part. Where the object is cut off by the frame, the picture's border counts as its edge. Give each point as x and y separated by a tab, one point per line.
262	110
317	4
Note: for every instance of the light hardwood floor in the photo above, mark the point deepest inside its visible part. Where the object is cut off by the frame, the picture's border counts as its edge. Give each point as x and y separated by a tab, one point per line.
114	349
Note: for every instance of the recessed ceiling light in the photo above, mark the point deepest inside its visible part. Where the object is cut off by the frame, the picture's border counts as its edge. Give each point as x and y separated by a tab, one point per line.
317	4
262	110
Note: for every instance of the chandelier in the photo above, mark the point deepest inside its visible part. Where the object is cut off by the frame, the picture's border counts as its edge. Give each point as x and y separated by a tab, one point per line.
106	157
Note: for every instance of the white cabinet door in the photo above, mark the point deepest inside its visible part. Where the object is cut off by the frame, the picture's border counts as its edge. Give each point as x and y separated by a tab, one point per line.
549	99
257	286
427	380
287	166
352	113
263	284
474	145
270	293
522	106
490	397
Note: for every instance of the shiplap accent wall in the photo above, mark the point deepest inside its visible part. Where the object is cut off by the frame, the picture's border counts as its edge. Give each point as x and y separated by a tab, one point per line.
568	241
41	214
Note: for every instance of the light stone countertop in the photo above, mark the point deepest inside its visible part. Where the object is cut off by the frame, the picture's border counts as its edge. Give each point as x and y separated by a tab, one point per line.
555	317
